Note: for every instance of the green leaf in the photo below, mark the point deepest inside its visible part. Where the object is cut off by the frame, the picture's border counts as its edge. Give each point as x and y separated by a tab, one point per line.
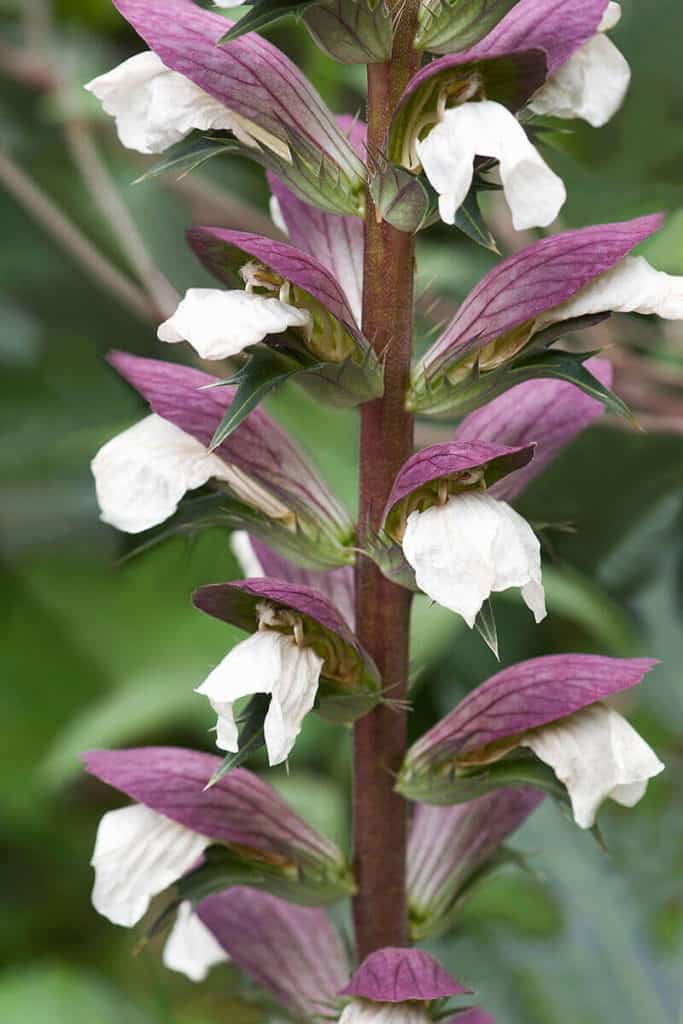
189	154
251	736
569	366
263	13
265	370
470	221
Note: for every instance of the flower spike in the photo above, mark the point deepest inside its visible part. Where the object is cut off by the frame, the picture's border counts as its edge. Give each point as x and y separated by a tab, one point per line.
552	705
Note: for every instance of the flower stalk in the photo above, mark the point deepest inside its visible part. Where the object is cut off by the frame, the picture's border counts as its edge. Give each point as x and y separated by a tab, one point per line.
382	608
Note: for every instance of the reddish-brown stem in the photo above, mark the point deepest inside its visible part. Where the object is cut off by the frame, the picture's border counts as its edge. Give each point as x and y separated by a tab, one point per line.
383	609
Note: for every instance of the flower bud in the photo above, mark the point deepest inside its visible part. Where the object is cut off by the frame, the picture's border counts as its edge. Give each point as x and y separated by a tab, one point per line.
352	31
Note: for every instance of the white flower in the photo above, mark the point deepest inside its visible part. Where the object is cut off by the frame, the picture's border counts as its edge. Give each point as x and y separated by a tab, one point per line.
142	474
219	324
471	547
364	1011
598	755
633	286
190	947
533	192
155	107
243	550
228	3
266	662
592	83
139	853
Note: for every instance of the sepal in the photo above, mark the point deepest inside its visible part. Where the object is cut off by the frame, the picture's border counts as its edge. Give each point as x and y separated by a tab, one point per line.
352	31
350	684
449	26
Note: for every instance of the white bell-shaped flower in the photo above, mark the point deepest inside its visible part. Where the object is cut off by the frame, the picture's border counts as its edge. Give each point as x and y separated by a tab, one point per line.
592	84
266	662
484	128
633	286
219	324
364	1011
139	853
470	547
155	107
597	755
191	948
142	474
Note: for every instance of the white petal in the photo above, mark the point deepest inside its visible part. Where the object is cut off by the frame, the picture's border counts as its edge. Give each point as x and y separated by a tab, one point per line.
219	324
597	754
243	551
155	107
447	158
470	547
276	214
611	17
141	474
533	191
139	853
190	947
252	666
591	85
228	3
633	286
363	1011
293	697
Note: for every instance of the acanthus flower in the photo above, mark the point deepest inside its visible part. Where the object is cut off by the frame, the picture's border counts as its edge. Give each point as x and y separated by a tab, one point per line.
554	706
462	543
181	833
552	56
262	481
500	335
247	87
288	289
301	652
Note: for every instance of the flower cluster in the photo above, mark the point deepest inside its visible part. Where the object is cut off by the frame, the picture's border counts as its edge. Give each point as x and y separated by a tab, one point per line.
244	876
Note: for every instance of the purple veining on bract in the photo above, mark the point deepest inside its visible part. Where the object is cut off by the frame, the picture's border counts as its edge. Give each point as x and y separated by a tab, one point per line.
293	952
531	281
240	808
447	845
221	249
547	413
444	460
336	241
258	446
237	602
527	695
559	27
394	975
249	75
337	585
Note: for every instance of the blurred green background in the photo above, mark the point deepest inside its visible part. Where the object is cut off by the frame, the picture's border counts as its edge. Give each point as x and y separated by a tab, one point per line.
98	653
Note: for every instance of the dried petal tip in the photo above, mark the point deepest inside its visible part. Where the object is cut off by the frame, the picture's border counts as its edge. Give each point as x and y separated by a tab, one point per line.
396	975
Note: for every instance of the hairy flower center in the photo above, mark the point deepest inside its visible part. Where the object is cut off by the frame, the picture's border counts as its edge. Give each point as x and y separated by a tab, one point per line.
341	662
429	109
436	492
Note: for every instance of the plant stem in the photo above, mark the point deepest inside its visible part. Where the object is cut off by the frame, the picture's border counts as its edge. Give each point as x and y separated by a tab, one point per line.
383	609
